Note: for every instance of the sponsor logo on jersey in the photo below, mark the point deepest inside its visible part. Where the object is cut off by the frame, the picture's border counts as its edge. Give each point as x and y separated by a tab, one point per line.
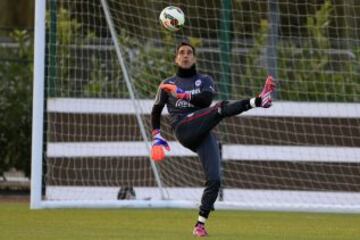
194	91
183	104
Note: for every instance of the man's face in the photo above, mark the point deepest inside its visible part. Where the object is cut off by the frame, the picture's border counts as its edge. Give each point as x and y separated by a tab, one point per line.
185	57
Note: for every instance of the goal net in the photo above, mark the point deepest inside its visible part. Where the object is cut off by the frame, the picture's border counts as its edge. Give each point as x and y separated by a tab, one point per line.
98	64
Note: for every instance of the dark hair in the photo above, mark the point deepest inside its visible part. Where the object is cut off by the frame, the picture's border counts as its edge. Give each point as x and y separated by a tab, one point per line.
184	43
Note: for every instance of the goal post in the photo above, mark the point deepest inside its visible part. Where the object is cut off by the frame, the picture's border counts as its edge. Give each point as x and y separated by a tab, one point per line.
38	105
97	66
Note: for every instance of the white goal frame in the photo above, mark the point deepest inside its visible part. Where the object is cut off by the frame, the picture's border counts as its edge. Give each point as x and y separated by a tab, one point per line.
38	105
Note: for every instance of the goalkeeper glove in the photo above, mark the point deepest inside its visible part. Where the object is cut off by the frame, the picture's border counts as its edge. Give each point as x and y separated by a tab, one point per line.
265	94
158	145
175	91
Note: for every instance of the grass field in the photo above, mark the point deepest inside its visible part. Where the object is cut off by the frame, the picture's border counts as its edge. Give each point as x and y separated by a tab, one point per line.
18	222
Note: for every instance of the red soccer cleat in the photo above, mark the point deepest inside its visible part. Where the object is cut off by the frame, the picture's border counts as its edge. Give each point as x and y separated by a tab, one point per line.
266	92
200	231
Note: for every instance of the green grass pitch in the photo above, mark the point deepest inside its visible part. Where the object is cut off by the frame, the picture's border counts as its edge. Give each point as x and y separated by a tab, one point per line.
17	222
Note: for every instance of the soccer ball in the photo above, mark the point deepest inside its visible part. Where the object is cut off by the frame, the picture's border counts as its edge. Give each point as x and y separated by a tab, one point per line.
172	18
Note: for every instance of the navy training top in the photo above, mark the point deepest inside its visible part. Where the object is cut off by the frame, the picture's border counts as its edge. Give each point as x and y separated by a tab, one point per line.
200	86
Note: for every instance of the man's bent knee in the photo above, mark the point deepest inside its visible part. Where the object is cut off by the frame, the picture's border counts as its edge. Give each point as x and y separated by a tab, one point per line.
213	184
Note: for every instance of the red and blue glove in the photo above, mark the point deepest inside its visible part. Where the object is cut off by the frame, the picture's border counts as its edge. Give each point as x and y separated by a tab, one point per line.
158	145
175	91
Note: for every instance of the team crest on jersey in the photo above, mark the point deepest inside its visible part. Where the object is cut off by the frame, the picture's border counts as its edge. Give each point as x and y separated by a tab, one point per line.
198	83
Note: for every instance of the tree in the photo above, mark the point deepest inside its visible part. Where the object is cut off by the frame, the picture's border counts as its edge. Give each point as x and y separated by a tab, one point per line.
15	104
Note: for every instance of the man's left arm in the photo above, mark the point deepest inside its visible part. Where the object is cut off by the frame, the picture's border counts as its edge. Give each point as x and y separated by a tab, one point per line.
207	93
202	99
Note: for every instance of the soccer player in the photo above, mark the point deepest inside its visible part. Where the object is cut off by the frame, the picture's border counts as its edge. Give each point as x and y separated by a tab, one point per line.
188	96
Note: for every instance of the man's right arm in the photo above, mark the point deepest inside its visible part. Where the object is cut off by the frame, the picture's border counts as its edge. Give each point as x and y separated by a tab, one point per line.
160	101
158	142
